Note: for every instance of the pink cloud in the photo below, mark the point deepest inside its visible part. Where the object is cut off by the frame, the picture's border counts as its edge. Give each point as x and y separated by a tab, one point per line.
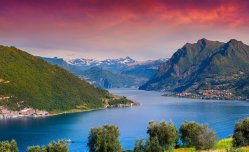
119	27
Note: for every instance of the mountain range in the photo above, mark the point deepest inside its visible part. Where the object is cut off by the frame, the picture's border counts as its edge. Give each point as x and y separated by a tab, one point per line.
205	68
112	65
110	73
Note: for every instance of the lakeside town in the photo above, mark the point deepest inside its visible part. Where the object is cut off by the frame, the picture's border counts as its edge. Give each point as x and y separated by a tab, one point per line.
30	112
26	112
209	94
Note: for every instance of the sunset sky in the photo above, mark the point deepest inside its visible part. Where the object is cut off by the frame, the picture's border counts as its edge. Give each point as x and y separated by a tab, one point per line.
142	29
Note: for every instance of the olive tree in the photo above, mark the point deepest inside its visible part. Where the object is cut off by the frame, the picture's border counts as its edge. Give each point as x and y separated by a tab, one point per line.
60	146
151	145
165	133
139	146
6	146
198	136
241	133
37	149
104	139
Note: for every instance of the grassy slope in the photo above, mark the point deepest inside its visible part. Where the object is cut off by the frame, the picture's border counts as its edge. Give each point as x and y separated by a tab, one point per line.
43	86
222	146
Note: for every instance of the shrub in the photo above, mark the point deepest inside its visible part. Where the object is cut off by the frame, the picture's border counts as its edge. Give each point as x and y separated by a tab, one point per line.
224	144
139	146
104	139
6	146
241	133
37	149
165	133
198	136
152	145
60	146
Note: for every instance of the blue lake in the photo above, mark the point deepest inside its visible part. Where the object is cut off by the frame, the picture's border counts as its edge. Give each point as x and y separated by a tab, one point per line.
132	122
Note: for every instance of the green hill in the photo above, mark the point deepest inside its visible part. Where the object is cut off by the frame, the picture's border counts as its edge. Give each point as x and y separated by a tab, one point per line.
206	65
28	81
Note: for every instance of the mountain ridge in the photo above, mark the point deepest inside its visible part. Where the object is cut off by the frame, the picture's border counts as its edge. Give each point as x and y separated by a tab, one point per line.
29	82
202	66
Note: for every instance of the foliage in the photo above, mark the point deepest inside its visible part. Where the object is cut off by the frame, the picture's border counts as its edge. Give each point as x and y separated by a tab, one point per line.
139	146
165	133
243	149
241	133
104	139
37	149
198	136
185	150
6	146
35	83
60	146
119	100
224	144
153	145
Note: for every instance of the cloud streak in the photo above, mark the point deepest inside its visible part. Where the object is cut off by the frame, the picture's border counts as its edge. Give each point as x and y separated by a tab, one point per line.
114	28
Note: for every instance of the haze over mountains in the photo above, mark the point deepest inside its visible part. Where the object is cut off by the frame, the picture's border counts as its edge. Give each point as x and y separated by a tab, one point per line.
110	73
195	68
205	65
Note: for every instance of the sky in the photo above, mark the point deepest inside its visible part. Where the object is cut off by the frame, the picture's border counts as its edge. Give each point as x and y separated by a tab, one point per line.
100	29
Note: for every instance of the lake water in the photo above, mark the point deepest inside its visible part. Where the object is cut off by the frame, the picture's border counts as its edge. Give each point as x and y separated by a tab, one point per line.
132	122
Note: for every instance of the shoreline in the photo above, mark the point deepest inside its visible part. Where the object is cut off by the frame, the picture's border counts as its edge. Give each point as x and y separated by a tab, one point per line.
197	96
17	115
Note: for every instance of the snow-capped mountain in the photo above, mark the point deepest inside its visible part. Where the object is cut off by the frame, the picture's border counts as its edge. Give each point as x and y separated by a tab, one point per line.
126	72
93	62
114	65
81	62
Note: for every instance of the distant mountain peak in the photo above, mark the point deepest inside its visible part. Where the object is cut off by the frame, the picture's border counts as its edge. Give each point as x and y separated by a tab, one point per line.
203	40
206	41
235	42
128	58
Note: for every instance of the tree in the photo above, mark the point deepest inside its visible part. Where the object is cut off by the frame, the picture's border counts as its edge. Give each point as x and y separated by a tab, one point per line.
139	146
104	139
37	149
6	146
241	133
60	146
198	136
152	145
165	133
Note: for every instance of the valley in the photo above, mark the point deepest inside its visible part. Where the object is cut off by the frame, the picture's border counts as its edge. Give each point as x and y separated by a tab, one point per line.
110	73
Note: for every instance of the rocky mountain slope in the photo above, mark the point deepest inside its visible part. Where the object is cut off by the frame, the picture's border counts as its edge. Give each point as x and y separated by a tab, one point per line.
205	67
